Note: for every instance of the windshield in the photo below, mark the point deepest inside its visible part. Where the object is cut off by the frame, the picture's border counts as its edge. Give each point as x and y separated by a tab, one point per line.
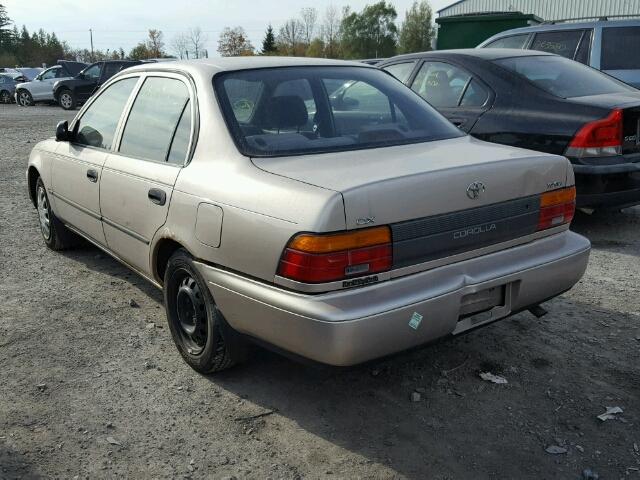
563	77
296	110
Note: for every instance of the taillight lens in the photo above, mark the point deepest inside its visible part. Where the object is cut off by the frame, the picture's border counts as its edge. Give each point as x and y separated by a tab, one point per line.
598	138
557	208
317	258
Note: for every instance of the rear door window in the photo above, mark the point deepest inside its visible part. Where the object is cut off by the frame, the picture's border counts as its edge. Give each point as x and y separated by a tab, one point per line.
620	48
154	118
513	41
401	71
441	84
562	42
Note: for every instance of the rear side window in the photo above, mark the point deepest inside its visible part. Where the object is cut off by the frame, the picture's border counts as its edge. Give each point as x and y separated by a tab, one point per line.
154	117
584	50
514	41
563	42
401	70
180	143
620	48
98	123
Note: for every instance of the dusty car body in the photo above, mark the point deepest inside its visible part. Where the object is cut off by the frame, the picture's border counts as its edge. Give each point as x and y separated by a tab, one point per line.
337	231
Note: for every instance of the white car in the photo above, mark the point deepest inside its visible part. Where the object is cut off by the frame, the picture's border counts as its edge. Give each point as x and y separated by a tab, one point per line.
40	89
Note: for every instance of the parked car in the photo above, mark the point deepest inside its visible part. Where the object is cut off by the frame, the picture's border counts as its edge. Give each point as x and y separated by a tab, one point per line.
607	45
542	102
265	210
8	84
75	91
40	89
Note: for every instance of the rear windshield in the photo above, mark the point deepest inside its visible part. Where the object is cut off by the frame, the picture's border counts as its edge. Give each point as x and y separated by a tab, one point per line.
620	48
563	77
297	110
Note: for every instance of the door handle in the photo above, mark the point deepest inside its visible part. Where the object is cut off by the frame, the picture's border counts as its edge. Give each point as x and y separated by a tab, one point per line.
92	175
458	122
157	196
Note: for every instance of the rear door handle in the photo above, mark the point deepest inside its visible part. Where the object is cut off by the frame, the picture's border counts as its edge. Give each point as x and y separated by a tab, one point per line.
92	175
157	196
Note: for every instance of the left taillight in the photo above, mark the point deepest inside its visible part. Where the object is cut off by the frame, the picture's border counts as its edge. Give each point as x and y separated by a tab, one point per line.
319	258
599	138
557	207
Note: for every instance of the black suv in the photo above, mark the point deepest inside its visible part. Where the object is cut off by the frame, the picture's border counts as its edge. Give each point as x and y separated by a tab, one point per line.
73	92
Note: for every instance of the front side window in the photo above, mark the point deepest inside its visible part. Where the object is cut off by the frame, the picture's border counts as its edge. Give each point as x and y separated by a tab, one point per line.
99	122
562	42
620	48
110	69
330	109
514	41
562	77
49	74
441	84
154	117
401	70
92	72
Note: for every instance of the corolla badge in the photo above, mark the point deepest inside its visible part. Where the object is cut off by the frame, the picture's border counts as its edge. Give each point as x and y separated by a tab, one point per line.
475	189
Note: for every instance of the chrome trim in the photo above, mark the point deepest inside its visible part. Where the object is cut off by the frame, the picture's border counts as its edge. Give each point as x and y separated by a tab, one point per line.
91	213
420	267
125	230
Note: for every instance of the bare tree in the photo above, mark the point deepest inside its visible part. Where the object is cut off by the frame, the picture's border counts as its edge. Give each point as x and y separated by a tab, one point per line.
233	42
196	39
331	31
179	45
309	16
155	43
290	36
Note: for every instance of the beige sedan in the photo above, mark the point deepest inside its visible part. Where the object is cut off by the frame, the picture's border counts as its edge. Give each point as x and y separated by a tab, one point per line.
320	207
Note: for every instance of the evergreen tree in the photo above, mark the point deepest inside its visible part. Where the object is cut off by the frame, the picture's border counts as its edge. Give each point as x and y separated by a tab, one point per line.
269	42
417	30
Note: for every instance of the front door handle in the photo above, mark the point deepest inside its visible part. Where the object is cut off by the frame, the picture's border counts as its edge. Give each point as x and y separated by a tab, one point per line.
92	175
157	196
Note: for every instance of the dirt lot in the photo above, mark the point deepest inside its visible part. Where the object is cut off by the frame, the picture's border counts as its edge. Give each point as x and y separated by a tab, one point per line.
91	387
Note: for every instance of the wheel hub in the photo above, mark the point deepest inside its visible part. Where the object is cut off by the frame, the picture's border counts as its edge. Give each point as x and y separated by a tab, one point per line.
65	100
43	213
192	314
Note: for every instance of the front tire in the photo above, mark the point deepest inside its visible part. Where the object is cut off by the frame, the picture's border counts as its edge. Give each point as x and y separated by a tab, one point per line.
67	100
24	98
56	236
203	338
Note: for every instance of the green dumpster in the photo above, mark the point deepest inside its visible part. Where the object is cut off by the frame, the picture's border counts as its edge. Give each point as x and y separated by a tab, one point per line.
467	31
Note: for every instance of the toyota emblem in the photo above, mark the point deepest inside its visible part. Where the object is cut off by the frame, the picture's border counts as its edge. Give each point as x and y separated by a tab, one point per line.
475	189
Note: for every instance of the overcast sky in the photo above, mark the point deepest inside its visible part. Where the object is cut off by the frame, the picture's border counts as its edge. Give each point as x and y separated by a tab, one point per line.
123	23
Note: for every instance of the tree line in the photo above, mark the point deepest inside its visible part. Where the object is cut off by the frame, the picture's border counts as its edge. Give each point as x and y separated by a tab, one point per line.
370	33
373	32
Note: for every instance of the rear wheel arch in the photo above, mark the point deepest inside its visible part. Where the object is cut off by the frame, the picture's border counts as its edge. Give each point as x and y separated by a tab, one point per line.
164	248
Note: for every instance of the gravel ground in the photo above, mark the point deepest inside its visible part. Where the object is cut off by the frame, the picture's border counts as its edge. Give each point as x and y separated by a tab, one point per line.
91	387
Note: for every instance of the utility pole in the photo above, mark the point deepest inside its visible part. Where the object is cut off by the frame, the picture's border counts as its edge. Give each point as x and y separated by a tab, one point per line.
91	37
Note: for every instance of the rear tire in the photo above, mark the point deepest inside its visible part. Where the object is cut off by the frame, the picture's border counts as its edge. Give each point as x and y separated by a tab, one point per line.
56	236
67	100
24	98
203	338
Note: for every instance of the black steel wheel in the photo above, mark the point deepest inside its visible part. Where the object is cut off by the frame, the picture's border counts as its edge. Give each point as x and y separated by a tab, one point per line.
201	334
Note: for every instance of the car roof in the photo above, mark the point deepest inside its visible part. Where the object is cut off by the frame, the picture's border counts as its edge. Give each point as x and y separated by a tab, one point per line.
482	53
215	65
543	27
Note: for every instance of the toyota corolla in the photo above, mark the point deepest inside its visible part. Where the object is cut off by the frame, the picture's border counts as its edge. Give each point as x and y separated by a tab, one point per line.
270	205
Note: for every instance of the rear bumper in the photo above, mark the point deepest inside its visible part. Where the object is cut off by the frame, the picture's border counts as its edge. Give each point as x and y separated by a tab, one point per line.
597	188
355	325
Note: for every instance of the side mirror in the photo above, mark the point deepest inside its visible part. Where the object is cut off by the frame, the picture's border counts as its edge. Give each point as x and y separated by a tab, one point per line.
62	132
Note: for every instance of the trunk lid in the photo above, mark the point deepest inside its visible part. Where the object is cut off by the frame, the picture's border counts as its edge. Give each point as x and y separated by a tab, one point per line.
398	184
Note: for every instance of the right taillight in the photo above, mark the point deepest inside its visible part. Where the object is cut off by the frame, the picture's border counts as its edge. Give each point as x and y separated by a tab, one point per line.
557	207
600	138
